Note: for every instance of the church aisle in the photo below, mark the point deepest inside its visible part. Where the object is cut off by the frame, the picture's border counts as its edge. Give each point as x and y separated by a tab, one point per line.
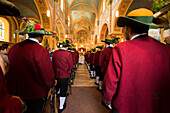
85	98
82	78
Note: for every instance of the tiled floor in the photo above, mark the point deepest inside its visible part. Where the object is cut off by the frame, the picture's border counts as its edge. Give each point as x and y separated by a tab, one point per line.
82	78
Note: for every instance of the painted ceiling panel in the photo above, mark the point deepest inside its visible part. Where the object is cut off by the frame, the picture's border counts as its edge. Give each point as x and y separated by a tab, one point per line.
68	2
96	2
90	15
83	8
25	11
82	17
74	14
83	1
29	3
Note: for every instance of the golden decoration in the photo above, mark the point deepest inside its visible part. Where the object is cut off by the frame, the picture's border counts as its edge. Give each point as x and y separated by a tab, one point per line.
82	8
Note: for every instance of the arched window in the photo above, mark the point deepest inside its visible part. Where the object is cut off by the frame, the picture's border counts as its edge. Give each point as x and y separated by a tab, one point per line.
1	30
61	5
104	5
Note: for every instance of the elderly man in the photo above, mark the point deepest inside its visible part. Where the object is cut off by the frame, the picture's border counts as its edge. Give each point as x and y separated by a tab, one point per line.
30	73
138	74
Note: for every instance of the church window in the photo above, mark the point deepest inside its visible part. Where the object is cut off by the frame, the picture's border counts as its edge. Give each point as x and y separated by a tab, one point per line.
1	30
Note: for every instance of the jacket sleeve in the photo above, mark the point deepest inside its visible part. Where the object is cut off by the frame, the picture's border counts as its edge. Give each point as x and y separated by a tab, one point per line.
94	58
112	76
70	61
101	59
45	69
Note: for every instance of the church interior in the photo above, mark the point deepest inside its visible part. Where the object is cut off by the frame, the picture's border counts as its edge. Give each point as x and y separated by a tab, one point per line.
87	23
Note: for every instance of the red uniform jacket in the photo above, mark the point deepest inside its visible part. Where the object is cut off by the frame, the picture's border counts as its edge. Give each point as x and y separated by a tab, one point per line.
7	105
62	63
96	58
73	57
30	73
138	77
85	55
91	58
76	57
88	57
104	58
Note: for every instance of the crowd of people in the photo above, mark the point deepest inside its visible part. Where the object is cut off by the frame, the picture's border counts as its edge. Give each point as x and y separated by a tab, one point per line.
30	73
133	76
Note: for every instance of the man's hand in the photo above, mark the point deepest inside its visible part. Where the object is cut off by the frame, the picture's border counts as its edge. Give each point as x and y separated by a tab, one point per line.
167	40
16	97
55	83
107	106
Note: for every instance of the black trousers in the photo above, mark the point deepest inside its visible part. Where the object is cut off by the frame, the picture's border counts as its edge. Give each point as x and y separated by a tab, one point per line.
35	106
91	67
62	85
98	71
101	76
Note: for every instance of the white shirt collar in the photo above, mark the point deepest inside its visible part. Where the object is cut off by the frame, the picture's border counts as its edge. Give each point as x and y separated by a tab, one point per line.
138	35
33	39
63	48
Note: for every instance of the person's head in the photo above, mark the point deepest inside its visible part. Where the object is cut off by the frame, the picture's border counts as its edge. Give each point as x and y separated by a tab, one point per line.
99	48
6	46
3	50
132	29
39	37
136	22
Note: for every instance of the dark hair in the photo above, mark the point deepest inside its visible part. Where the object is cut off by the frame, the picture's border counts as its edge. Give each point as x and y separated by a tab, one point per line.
138	28
33	35
3	47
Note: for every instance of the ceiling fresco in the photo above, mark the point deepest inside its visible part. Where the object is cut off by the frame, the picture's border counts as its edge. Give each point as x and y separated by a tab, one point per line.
27	8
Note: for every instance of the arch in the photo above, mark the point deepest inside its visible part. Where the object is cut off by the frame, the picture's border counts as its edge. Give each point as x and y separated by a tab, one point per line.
79	20
122	8
84	4
104	31
42	7
60	28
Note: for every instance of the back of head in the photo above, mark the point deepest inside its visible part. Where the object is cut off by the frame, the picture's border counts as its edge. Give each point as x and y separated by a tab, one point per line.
138	28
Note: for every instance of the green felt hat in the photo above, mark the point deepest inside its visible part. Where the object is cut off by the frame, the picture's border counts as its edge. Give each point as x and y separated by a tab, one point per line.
110	39
101	47
33	28
139	16
64	43
93	50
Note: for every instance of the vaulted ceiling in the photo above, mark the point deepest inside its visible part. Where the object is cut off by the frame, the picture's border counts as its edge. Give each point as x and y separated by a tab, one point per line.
83	14
27	8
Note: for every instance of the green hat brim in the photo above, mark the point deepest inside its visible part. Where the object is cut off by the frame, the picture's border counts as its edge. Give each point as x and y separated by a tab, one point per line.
161	22
108	41
122	21
41	32
23	31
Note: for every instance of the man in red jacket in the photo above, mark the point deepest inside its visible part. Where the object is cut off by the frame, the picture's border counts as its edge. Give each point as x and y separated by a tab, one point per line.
30	73
96	63
62	64
91	56
138	74
104	59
